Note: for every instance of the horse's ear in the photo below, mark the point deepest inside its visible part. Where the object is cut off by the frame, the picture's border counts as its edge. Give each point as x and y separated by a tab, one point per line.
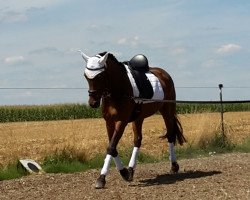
103	59
84	56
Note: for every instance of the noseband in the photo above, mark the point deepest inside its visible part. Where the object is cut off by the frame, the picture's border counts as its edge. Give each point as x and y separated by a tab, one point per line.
92	93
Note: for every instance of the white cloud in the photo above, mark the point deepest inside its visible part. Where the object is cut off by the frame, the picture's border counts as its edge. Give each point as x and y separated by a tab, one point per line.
178	51
27	4
122	41
98	27
10	16
26	94
16	10
212	64
14	60
47	50
228	49
133	41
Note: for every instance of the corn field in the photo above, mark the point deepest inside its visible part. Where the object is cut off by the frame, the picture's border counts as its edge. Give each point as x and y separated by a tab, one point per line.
82	111
47	112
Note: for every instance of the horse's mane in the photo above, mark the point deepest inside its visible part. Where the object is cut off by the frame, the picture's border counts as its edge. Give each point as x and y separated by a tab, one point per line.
112	57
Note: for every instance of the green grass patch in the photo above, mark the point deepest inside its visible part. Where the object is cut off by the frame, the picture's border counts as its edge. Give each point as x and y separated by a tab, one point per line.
244	147
65	167
208	147
125	155
67	161
10	172
219	143
55	164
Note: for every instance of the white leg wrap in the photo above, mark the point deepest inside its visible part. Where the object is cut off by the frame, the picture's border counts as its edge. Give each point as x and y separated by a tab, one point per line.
172	156
132	162
118	163
106	165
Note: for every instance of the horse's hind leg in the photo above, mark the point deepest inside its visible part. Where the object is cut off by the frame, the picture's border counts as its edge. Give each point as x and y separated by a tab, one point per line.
173	133
171	143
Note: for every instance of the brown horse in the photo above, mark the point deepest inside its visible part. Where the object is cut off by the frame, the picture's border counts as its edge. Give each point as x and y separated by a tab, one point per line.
109	81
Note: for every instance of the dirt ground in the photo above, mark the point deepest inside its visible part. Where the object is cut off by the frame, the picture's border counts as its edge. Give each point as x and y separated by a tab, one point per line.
224	176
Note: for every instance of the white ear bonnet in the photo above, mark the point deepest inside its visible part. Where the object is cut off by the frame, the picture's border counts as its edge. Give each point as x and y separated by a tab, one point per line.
95	65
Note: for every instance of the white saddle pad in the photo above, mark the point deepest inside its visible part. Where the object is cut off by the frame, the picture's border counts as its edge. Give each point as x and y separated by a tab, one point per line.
156	85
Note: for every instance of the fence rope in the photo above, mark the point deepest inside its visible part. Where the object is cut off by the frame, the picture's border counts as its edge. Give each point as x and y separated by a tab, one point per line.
193	102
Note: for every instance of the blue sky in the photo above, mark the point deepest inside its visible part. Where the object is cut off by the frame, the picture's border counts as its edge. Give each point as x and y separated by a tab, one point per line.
200	43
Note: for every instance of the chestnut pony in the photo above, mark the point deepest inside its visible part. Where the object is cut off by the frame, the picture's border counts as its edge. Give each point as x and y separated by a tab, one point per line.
109	82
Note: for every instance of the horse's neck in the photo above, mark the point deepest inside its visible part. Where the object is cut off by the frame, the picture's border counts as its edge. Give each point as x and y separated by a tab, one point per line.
119	82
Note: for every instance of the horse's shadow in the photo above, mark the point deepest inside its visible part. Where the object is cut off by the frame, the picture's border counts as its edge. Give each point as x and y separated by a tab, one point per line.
173	178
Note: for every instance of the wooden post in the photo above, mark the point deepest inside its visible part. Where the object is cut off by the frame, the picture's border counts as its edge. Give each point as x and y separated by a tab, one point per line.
222	112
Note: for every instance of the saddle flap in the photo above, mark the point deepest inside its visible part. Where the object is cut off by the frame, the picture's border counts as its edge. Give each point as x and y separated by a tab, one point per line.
143	84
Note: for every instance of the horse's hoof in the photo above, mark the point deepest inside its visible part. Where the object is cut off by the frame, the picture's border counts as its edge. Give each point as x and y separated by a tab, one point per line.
131	174
174	168
127	174
100	182
124	173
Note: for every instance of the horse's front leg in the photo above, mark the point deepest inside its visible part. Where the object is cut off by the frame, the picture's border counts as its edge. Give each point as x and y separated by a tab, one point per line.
115	131
137	129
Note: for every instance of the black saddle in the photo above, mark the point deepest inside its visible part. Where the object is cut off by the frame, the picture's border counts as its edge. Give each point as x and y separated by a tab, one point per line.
138	66
139	63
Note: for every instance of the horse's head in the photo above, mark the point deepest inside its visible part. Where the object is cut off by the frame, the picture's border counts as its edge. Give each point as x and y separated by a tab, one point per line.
95	74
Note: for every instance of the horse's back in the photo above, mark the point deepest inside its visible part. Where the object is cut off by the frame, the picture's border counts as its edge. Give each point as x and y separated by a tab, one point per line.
160	73
165	80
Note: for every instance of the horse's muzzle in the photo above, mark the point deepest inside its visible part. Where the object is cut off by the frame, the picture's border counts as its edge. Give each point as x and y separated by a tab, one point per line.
94	104
94	99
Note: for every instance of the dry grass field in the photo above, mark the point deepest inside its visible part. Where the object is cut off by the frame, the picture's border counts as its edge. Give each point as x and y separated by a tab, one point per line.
35	140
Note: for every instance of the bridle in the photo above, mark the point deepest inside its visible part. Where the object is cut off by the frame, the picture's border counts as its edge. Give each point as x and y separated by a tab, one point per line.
92	93
106	89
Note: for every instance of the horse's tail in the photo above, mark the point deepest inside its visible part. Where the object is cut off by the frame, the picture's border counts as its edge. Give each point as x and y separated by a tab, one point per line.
178	131
175	131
